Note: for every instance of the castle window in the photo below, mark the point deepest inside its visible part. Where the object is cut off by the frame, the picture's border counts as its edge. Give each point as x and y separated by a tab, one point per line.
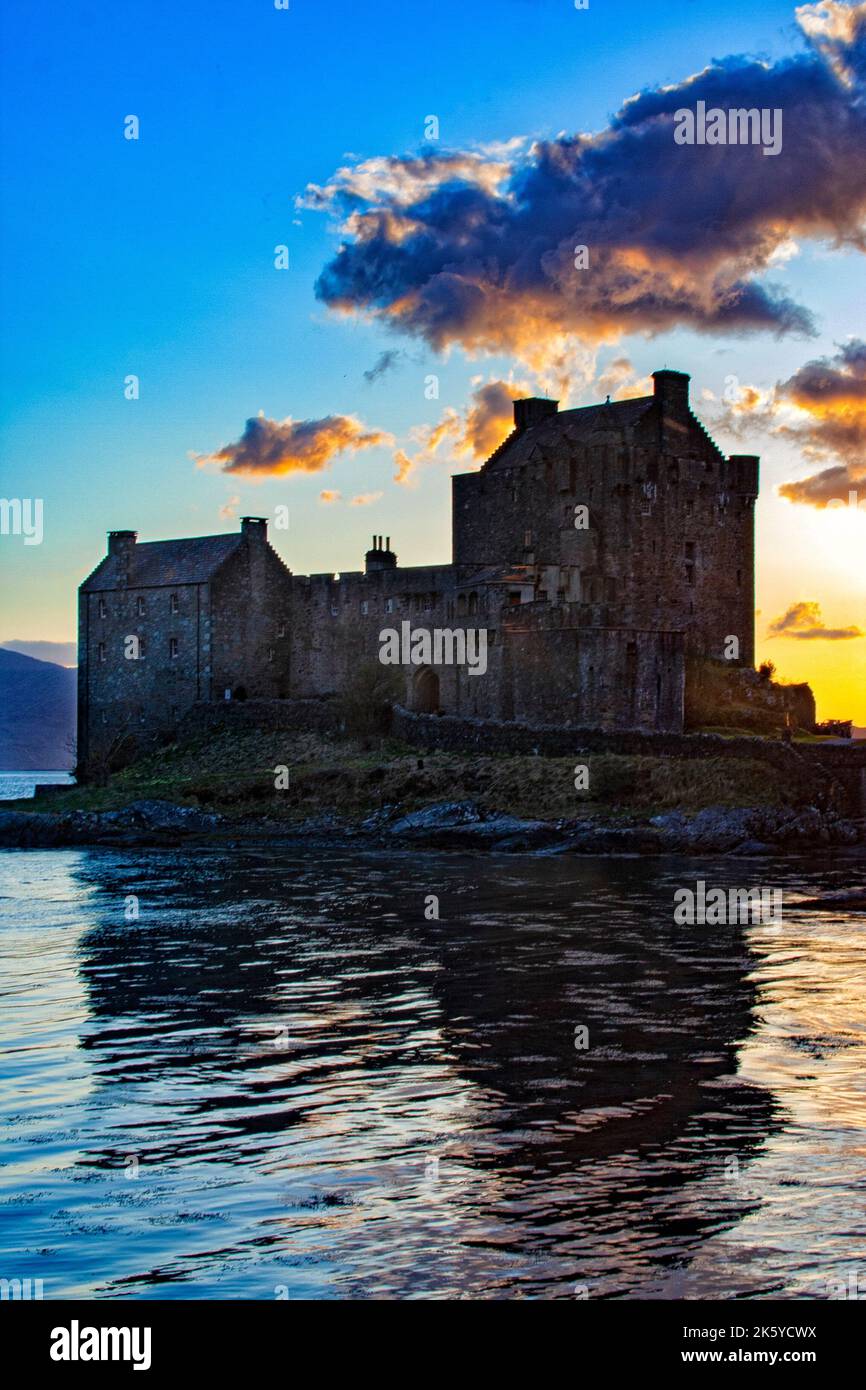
527	539
389	605
334	610
270	653
104	717
102	609
101	651
690	550
690	574
141	648
172	647
473	603
365	607
281	629
174	606
139	607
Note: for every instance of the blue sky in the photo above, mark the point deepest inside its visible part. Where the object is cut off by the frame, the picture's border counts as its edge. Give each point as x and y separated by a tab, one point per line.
155	257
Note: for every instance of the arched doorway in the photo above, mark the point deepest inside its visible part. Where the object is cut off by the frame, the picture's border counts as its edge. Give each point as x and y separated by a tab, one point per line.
426	692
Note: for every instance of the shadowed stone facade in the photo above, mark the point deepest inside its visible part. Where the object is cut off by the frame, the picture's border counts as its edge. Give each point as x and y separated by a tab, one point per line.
596	548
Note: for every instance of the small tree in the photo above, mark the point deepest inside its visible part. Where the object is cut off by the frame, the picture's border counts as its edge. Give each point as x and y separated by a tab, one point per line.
367	695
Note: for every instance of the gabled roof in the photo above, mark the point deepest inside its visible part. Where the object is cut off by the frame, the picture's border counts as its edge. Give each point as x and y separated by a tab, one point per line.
573	426
191	561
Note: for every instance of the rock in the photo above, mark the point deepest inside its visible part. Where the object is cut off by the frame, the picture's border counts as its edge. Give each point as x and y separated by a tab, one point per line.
444	815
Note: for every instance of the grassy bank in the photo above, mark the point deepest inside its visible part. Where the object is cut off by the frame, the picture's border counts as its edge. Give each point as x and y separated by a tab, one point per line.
235	774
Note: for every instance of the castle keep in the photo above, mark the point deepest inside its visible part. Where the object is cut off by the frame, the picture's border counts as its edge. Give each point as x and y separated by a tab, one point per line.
596	547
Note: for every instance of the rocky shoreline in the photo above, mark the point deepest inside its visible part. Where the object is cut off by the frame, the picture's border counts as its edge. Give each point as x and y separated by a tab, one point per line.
455	825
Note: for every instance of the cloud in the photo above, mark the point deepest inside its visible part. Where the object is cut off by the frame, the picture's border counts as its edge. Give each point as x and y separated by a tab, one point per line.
230	508
803	621
472	433
478	249
365	499
830	393
275	447
328	497
385	362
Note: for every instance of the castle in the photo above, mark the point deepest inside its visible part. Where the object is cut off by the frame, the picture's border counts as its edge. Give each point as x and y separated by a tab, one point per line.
597	548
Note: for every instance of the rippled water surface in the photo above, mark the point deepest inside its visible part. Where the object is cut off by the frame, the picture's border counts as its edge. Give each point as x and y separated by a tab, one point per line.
283	1080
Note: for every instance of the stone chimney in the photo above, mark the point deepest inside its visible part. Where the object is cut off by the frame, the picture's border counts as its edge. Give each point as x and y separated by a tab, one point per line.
255	527
671	390
380	557
745	473
532	410
122	545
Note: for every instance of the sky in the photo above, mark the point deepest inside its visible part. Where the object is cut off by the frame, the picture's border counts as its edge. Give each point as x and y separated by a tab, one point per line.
429	171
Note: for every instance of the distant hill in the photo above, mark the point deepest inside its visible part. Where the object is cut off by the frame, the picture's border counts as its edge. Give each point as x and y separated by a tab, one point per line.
857	732
62	653
37	714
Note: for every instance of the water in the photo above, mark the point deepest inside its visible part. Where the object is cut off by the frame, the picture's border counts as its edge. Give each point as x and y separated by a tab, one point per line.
282	1081
15	785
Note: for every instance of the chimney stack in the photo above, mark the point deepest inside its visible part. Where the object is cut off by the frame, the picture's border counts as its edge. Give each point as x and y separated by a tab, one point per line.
255	527
122	545
671	390
532	410
380	557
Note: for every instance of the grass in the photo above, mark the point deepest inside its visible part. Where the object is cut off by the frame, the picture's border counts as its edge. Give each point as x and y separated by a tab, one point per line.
234	774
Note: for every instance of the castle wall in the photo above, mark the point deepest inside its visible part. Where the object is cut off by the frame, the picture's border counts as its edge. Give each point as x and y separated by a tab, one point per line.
121	696
249	640
670	535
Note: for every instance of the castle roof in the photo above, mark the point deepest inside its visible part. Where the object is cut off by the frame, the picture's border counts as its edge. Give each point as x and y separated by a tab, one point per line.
574	426
193	560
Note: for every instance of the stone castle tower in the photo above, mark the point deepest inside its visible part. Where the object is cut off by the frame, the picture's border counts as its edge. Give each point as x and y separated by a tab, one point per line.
596	548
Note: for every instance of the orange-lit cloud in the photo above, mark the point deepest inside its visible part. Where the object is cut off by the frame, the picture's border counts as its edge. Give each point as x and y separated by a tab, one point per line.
365	499
481	249
831	395
328	497
269	448
804	621
472	433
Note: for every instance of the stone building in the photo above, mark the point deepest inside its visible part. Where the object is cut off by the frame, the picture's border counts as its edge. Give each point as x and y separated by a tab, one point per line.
165	623
596	549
